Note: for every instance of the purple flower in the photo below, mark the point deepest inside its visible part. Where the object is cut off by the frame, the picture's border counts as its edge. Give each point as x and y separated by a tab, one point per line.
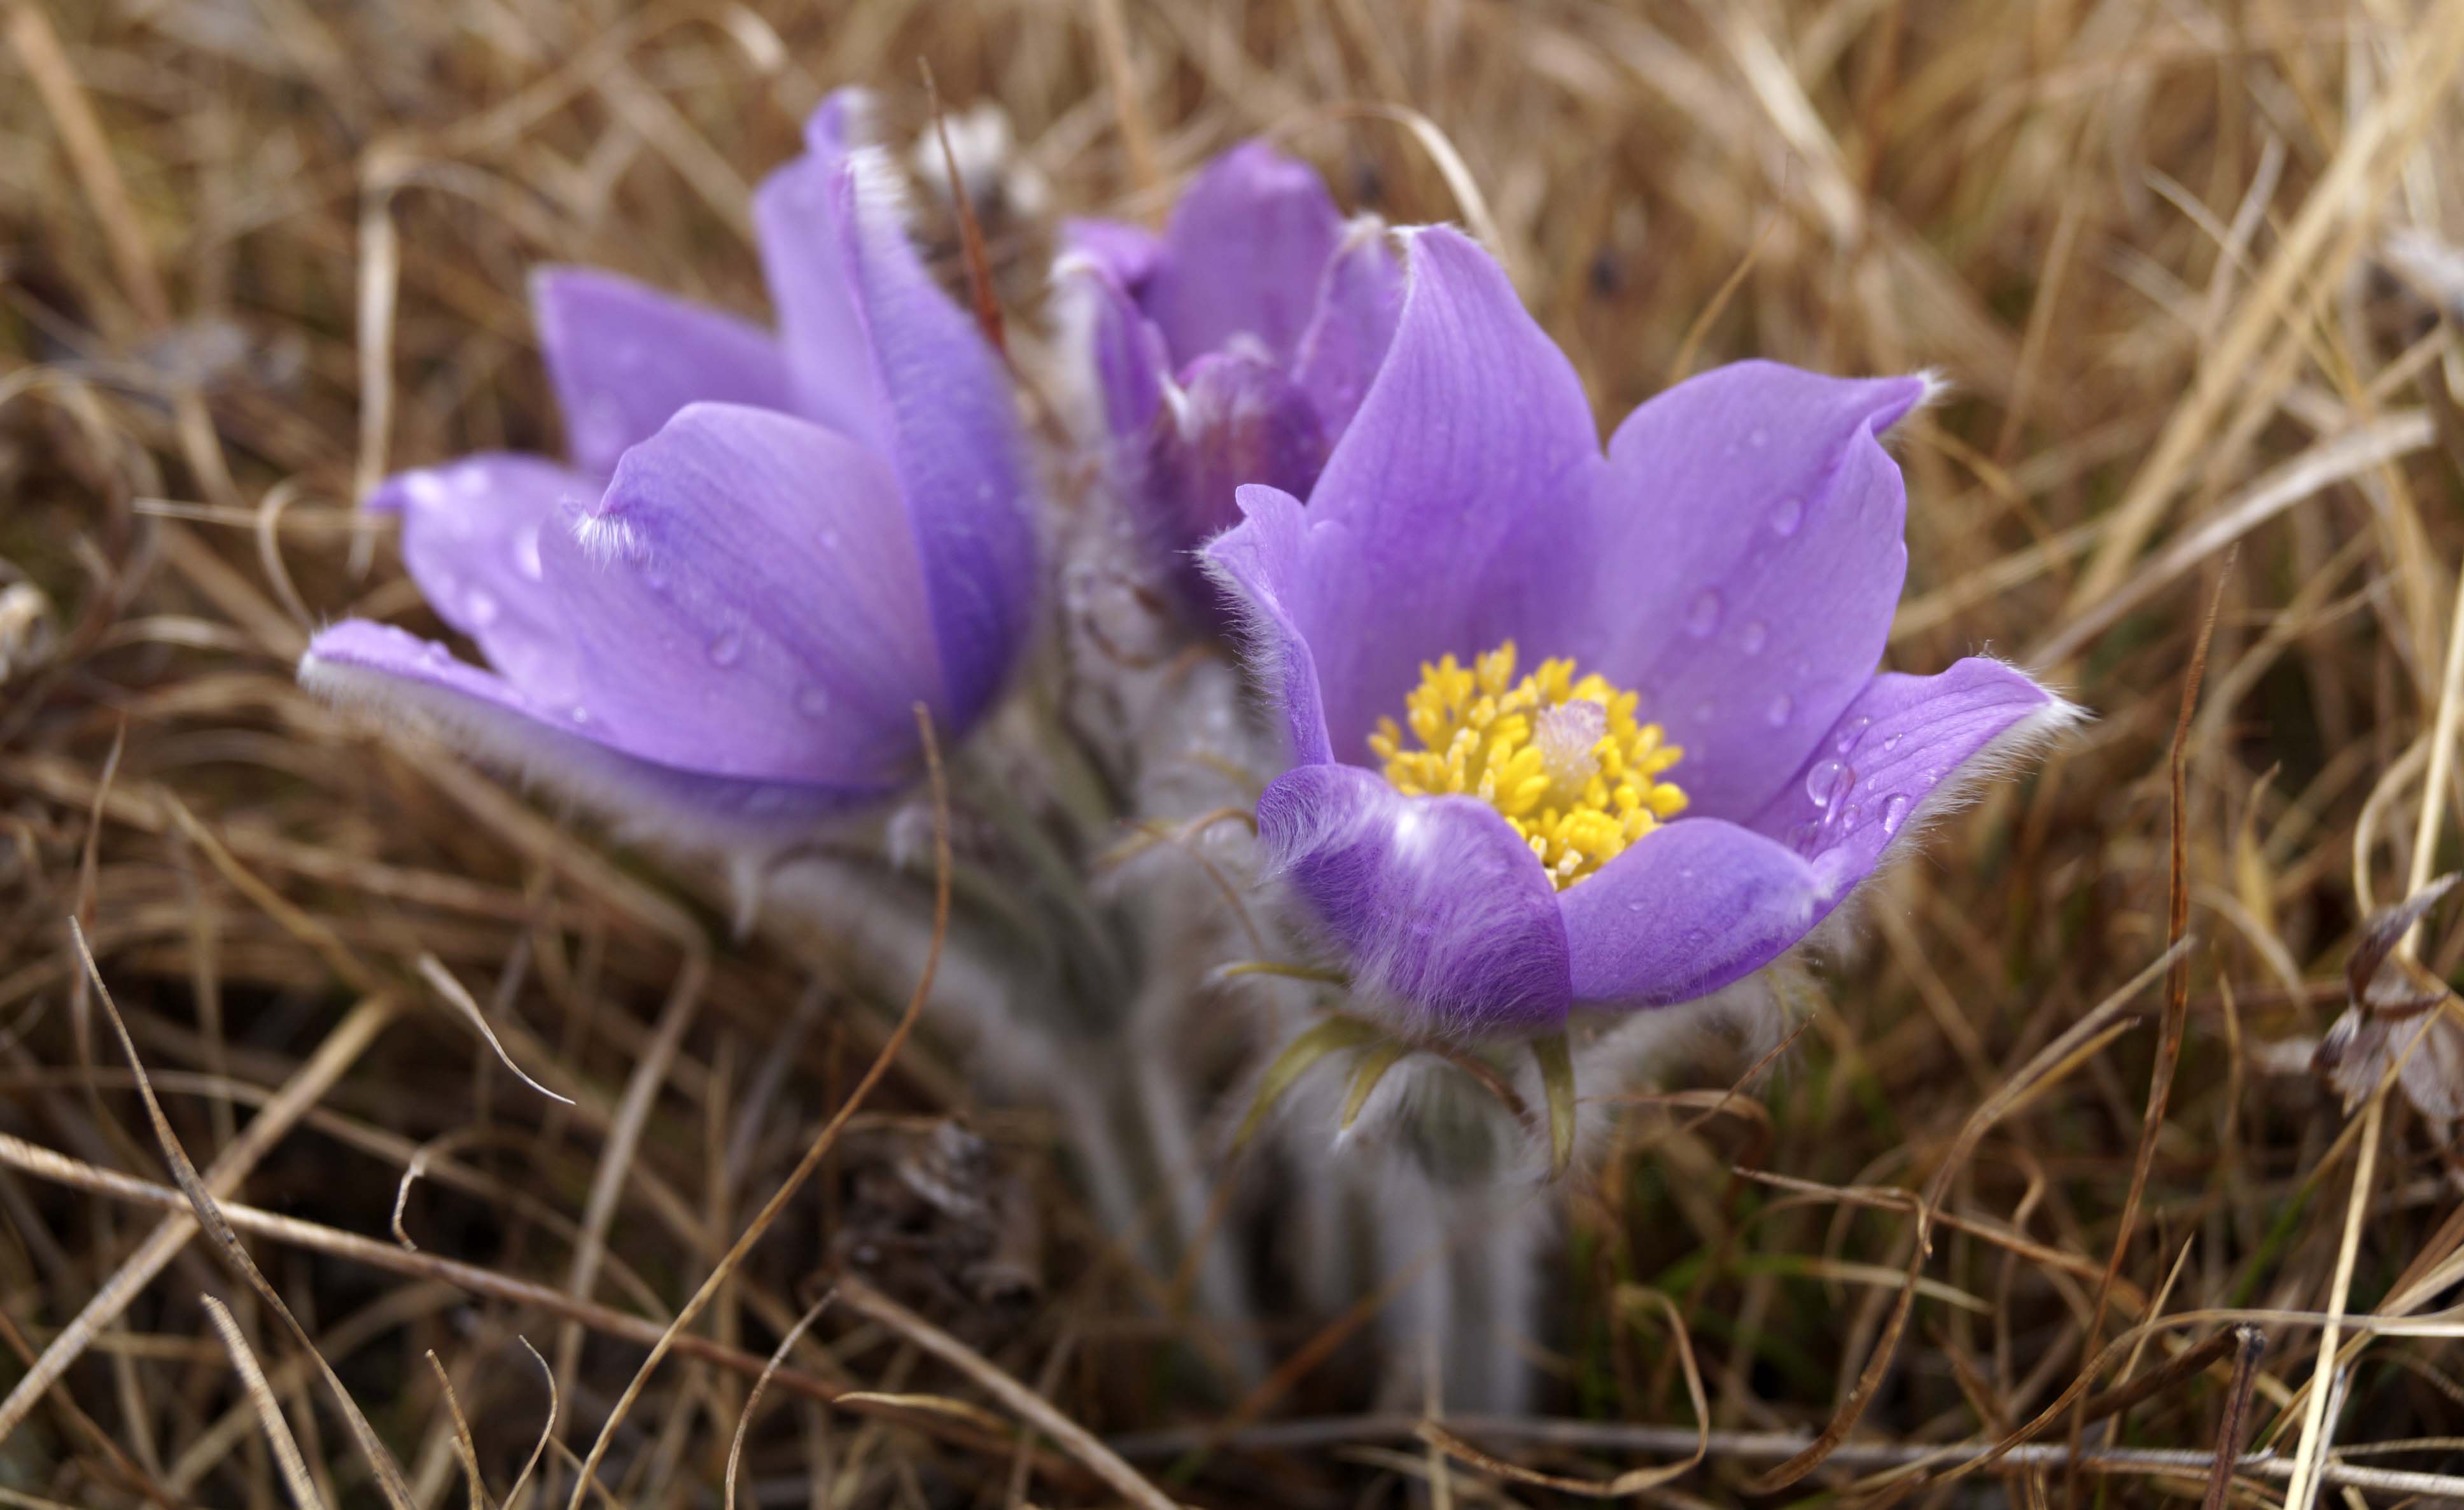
1707	762
767	548
1234	348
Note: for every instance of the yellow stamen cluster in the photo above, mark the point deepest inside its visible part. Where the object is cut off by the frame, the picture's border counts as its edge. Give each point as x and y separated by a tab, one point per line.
1562	758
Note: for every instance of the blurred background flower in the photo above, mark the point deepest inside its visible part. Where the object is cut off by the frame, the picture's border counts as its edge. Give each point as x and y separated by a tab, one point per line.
1233	348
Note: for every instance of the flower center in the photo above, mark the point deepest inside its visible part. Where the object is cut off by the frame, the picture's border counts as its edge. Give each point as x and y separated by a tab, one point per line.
1561	758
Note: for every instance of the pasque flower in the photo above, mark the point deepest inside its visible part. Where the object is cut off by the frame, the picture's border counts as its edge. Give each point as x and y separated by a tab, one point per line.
1233	348
765	550
1572	730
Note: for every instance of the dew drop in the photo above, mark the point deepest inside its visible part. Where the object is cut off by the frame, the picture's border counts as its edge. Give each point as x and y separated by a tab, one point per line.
1891	741
812	702
481	606
1850	732
580	715
1895	812
1703	614
1780	707
526	553
1820	780
726	648
1751	638
1786	517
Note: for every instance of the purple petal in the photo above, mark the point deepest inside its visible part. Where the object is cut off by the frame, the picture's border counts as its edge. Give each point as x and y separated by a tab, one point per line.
1687	910
1247	244
1451	514
1357	305
884	356
1437	904
1750	558
1240	420
1122	352
1903	750
384	669
470	534
623	356
1259	563
745	600
800	216
1127	253
954	442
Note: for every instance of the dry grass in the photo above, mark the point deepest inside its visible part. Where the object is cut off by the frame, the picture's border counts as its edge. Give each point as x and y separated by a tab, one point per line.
2183	264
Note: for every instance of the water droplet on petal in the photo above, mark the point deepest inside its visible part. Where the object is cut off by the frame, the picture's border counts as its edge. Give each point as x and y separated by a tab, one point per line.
1819	781
1891	742
726	648
1780	707
1751	638
526	552
481	606
1850	732
813	702
1703	614
580	715
1895	812
1787	515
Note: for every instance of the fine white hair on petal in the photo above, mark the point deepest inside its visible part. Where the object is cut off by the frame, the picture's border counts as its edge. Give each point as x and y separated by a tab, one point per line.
1252	632
1939	386
1935	386
883	203
1360	230
607	782
606	539
2007	754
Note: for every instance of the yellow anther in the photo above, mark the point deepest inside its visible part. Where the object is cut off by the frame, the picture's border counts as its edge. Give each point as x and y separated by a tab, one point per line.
1579	783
